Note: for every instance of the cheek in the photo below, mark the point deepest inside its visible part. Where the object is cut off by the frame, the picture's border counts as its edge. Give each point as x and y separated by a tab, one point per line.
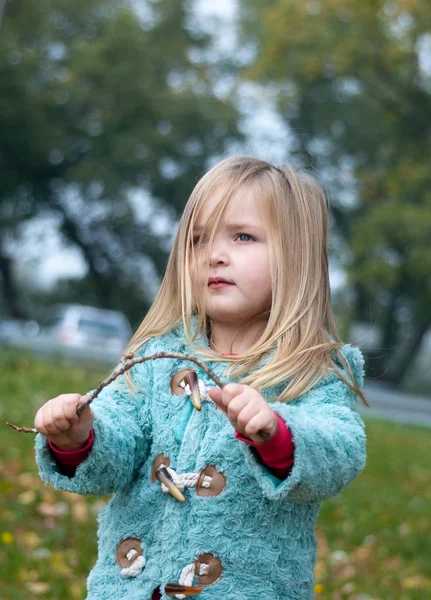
260	278
258	269
198	271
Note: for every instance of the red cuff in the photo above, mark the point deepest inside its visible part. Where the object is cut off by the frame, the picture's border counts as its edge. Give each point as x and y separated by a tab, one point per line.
69	460
277	454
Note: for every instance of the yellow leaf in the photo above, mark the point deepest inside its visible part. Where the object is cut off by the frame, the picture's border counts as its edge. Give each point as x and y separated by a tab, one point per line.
28	480
38	587
80	511
6	537
416	582
77	590
27	497
26	575
320	570
31	539
59	566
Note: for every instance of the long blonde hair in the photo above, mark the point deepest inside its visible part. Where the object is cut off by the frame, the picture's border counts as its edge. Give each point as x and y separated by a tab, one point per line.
301	332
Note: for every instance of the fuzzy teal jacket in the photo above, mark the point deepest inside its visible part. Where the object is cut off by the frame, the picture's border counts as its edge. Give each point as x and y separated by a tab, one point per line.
256	534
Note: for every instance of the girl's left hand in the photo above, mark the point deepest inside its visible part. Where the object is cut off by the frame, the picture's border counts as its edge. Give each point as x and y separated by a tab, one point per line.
246	409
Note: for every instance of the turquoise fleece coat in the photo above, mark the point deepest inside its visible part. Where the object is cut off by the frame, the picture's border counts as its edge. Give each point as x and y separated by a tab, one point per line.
259	531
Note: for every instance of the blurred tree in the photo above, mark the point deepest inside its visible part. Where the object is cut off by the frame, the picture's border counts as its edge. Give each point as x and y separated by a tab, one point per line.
98	101
353	81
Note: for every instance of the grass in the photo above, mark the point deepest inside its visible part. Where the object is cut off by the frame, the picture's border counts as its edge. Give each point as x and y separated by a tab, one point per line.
374	538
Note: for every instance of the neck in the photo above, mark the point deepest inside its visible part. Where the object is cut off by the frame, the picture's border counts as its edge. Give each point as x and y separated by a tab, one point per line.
227	339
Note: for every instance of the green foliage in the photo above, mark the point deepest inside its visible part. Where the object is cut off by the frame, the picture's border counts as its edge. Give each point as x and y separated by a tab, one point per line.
351	79
97	102
47	538
374	539
375	536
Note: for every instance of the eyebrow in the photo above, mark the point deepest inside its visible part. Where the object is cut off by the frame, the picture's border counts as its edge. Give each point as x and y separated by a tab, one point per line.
231	226
239	226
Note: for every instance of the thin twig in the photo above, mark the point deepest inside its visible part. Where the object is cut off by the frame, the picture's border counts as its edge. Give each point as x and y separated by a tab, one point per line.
23	429
127	363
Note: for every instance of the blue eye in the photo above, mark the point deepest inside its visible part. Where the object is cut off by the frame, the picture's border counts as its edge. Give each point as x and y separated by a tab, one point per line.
244	235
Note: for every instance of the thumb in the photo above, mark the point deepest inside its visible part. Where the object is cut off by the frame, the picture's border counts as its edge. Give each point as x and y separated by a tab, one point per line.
86	413
215	394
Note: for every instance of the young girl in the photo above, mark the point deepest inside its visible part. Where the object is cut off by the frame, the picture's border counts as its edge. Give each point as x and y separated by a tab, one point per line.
246	289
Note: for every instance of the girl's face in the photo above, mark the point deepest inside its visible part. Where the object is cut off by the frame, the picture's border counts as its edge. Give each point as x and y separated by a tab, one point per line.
236	272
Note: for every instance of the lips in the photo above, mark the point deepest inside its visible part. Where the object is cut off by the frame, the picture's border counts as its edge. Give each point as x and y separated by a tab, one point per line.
216	280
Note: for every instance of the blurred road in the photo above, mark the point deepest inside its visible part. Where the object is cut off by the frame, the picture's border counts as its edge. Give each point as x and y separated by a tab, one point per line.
385	402
395	406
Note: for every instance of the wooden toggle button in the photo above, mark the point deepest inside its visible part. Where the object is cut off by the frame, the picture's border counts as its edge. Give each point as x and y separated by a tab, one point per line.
160	472
217	485
160	460
215	569
164	477
176	379
123	550
172	589
189	377
213	573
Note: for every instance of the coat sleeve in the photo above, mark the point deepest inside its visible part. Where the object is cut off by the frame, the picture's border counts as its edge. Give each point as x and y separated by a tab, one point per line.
122	428
330	443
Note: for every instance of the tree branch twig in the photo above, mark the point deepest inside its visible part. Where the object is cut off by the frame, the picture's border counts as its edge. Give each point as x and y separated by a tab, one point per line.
125	365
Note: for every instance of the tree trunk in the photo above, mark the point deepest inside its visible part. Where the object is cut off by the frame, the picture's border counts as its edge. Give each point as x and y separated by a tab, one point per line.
361	311
9	289
2	5
391	329
389	326
410	350
101	283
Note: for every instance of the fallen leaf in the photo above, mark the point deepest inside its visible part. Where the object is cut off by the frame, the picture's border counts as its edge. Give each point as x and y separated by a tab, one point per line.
38	587
27	497
416	582
31	540
80	512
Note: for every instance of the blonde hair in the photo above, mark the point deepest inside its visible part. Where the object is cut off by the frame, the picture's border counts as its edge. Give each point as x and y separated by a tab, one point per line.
301	331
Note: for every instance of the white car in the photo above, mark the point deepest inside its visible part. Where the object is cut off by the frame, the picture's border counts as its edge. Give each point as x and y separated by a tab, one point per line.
85	332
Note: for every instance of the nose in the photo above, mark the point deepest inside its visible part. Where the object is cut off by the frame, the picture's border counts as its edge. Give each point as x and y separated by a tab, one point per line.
218	254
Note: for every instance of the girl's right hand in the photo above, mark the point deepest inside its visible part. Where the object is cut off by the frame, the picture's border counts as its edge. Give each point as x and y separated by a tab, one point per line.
57	420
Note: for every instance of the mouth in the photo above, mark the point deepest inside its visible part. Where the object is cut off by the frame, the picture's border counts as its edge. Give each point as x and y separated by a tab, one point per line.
216	282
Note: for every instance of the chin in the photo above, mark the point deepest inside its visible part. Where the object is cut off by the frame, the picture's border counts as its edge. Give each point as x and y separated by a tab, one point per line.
228	316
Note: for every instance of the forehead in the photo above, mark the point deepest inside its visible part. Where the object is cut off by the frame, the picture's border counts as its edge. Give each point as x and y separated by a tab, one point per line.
242	206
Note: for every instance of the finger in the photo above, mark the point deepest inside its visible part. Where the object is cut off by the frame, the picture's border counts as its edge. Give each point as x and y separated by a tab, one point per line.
230	391
39	423
260	422
237	405
71	403
48	418
86	415
234	389
246	414
59	419
215	393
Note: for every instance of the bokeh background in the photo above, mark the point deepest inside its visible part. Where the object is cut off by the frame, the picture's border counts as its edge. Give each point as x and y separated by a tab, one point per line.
110	111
